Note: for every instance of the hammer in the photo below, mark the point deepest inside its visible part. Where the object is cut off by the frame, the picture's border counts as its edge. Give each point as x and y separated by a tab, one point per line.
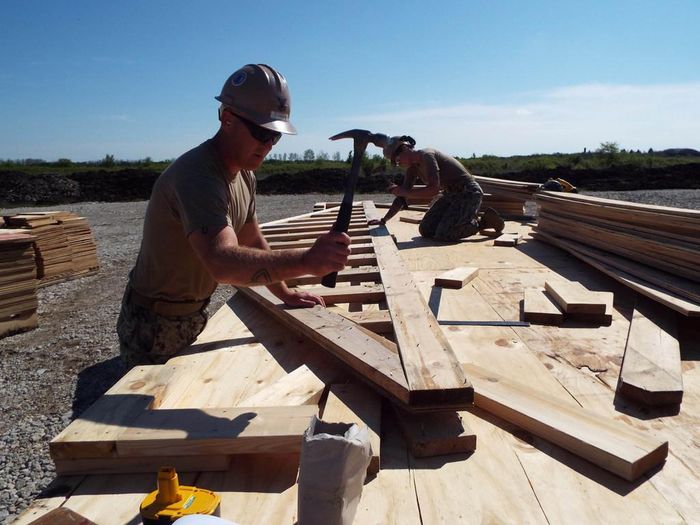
361	137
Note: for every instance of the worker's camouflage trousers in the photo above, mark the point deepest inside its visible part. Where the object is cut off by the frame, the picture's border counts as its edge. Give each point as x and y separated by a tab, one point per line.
147	338
452	217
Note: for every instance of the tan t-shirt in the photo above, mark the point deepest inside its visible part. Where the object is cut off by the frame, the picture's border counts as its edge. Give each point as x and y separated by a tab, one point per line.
196	191
453	176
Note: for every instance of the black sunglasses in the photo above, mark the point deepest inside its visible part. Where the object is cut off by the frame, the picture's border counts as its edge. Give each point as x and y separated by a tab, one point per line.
262	135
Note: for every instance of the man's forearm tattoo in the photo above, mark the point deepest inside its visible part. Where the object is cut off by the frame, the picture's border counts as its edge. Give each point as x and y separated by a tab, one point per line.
262	276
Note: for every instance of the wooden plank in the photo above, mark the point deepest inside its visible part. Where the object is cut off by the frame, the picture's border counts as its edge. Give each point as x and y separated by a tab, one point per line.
507	239
614	446
95	432
134	465
350	294
378	321
573	298
436	433
539	308
351	275
355	403
432	369
352	344
457	277
299	387
306	243
651	368
215	431
635	282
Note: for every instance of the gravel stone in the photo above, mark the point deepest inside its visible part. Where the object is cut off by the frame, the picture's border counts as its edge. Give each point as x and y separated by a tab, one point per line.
50	375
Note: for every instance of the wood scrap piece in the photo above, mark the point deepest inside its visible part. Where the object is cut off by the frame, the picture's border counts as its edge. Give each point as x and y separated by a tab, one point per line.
572	297
539	308
507	239
355	403
457	277
436	433
651	367
610	444
604	319
215	431
433	372
299	387
349	342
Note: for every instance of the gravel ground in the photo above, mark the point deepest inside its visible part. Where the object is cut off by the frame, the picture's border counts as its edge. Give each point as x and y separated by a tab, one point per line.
49	375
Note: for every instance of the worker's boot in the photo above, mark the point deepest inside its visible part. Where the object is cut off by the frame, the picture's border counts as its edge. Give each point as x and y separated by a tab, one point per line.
491	219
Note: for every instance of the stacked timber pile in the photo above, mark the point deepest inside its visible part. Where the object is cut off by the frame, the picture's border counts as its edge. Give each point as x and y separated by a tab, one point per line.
506	196
18	301
64	244
652	249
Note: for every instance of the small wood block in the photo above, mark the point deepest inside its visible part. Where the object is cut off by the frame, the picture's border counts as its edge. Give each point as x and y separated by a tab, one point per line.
598	319
507	239
457	277
539	308
435	433
573	298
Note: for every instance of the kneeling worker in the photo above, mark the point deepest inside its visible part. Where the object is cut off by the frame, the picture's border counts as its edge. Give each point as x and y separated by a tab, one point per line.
201	227
453	215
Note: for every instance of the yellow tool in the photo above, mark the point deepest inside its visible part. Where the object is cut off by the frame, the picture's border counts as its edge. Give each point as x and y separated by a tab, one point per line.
172	501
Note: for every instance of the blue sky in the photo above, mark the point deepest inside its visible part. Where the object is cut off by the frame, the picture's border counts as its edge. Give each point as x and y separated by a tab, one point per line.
136	79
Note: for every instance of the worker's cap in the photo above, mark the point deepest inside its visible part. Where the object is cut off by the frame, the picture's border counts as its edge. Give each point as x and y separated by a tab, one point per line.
259	94
396	144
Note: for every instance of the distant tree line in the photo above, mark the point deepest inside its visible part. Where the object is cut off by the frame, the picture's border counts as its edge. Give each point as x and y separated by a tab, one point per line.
607	155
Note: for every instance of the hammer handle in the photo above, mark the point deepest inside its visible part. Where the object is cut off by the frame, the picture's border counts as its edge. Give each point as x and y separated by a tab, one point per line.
342	223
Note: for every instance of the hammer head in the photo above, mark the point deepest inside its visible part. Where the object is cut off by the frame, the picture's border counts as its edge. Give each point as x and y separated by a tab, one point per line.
362	137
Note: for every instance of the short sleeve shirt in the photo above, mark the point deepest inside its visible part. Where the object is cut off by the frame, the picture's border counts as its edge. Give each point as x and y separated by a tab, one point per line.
453	176
196	191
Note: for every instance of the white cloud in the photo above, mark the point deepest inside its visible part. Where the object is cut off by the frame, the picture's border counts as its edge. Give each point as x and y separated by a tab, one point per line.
563	119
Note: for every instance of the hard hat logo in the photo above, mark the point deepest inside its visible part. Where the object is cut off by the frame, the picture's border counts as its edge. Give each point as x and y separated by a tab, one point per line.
259	93
238	78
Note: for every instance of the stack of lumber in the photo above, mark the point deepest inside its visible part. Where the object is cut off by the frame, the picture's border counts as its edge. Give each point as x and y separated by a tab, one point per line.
506	196
18	300
81	243
652	249
53	256
64	244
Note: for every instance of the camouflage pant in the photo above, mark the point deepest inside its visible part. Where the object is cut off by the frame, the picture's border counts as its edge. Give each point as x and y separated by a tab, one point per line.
147	338
452	217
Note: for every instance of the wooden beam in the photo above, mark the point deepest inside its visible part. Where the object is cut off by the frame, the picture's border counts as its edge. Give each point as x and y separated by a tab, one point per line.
350	294
432	369
215	431
651	367
435	433
349	342
612	445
